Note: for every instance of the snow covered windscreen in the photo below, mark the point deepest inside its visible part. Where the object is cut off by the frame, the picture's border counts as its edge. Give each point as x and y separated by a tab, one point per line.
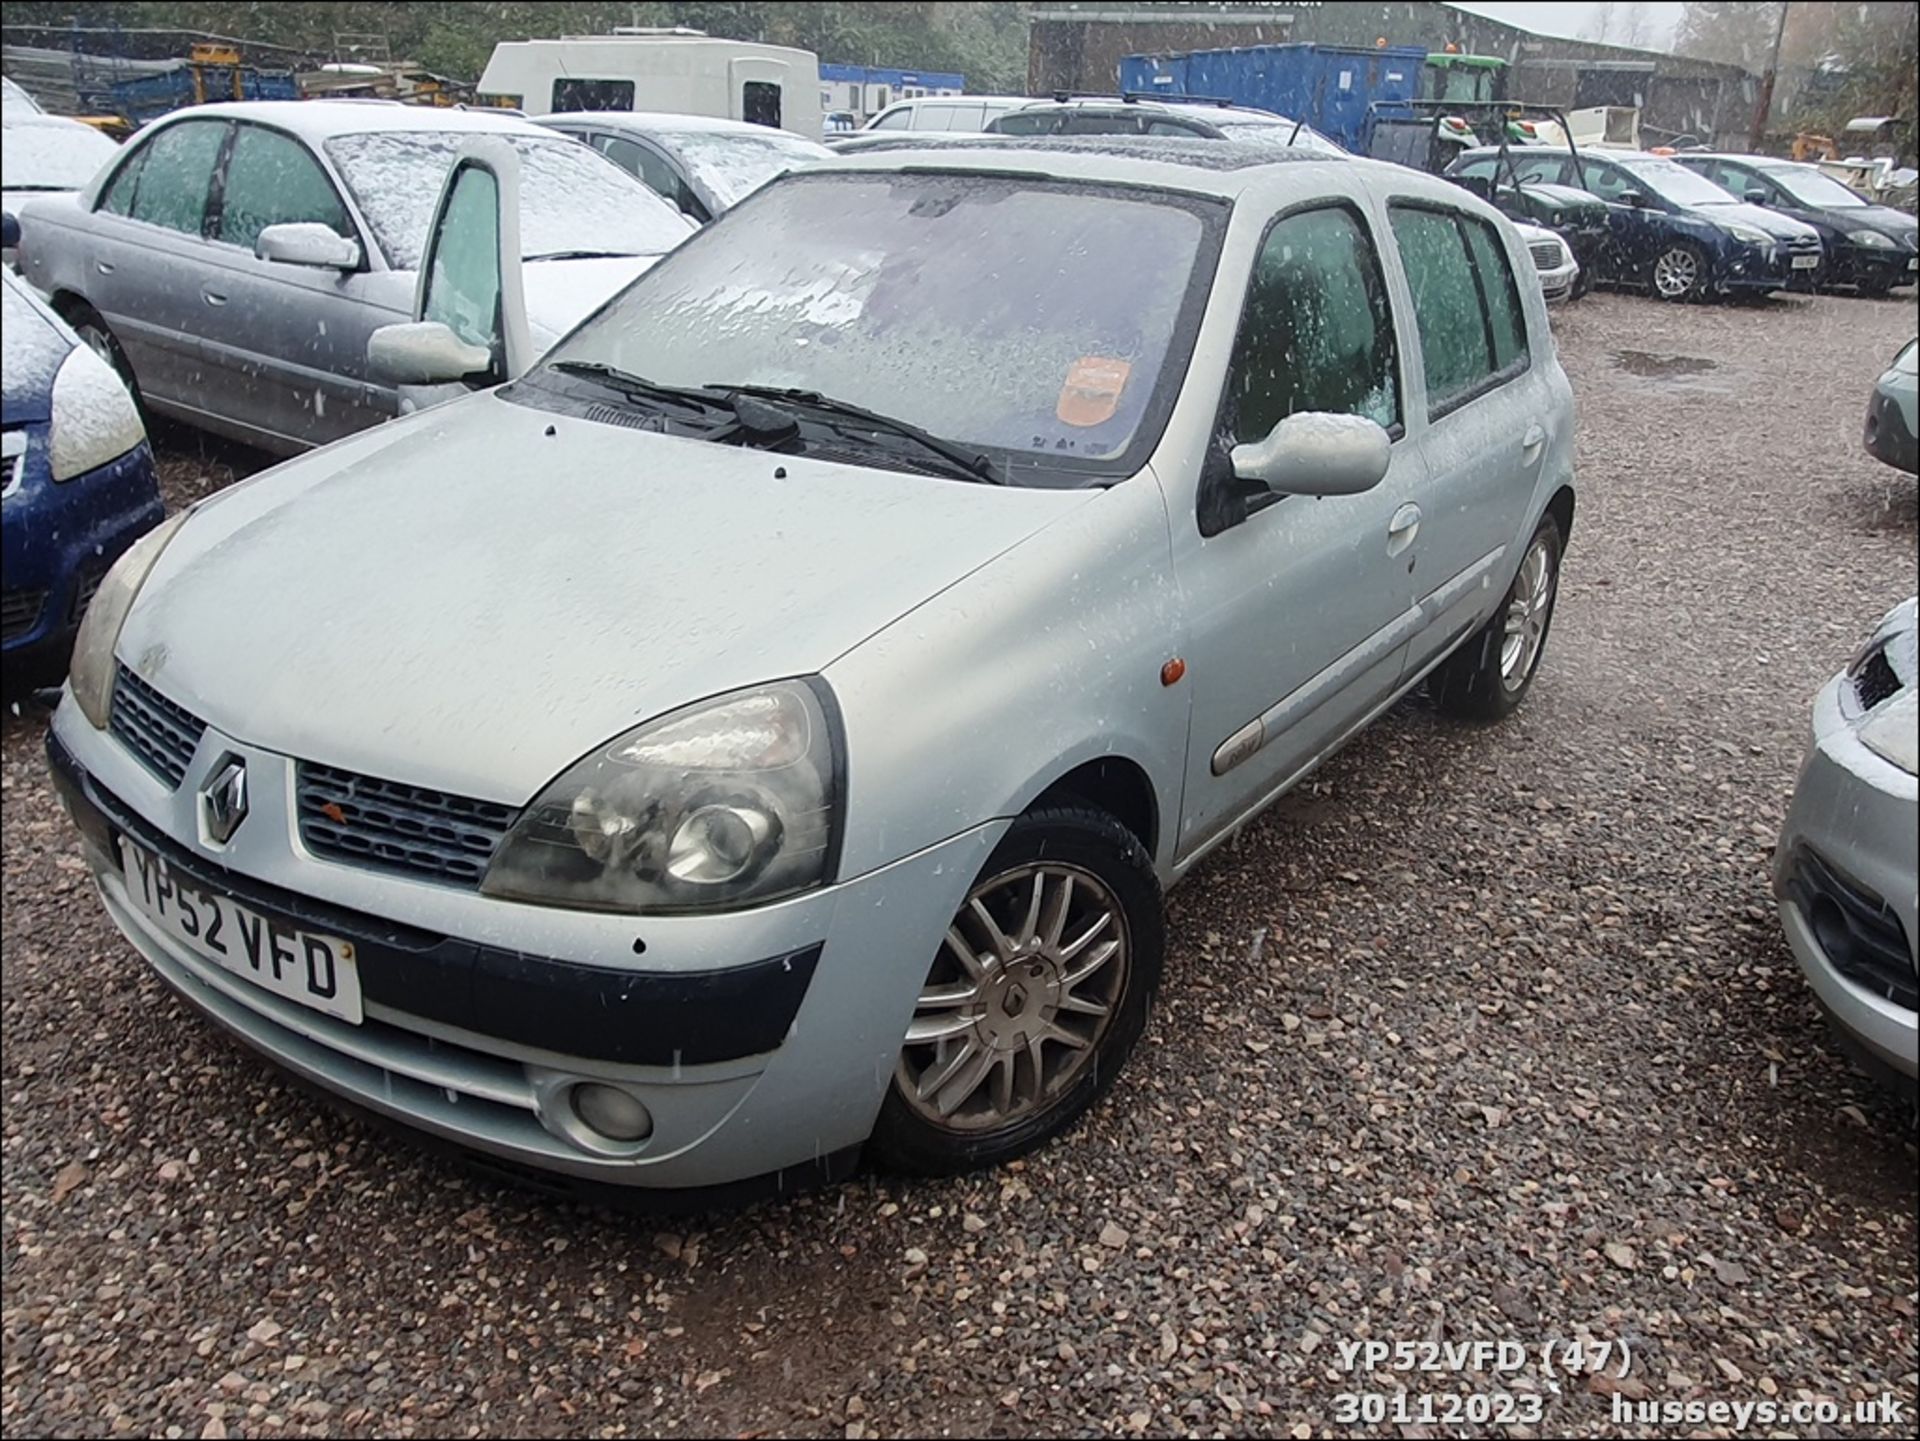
1043	320
571	199
732	166
52	154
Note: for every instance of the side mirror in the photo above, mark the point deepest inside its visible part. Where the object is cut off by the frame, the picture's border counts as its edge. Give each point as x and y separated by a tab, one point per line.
9	231
1756	197
1636	199
423	352
307	243
1317	453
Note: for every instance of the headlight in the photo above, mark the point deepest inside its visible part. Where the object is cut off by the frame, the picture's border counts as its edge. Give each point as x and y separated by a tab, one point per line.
1872	239
730	802
1749	234
1893	732
91	671
94	419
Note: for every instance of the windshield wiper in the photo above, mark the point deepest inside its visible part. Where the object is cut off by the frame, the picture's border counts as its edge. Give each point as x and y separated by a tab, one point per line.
582	255
962	463
638	387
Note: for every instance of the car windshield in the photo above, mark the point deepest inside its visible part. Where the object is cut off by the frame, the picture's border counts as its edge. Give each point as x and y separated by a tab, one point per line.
1810	187
1041	321
54	155
732	166
1306	138
572	200
1678	184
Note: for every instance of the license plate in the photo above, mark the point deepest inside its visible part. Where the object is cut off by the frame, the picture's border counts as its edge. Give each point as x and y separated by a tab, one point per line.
316	971
1805	262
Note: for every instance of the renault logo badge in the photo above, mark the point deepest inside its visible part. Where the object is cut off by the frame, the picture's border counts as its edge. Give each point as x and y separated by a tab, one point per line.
224	799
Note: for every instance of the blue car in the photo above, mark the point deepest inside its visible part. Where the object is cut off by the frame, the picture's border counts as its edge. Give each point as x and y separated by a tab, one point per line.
79	482
1675	232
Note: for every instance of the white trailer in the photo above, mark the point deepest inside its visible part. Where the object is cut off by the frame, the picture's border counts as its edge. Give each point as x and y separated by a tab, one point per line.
679	71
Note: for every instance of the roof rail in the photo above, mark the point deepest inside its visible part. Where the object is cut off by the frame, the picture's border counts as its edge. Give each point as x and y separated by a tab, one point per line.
1128	97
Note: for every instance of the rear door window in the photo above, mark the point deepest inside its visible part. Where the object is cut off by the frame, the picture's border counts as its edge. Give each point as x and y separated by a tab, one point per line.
760	103
573	94
271	179
1465	303
1316	333
177	175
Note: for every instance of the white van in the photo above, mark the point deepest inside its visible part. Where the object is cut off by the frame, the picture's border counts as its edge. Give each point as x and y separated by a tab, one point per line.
682	71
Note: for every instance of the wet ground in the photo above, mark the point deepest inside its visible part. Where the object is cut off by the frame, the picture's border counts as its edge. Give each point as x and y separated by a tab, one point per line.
1483	1034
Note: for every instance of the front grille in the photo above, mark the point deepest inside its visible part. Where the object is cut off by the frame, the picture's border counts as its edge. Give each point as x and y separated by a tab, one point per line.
91	575
161	734
1875	681
426	834
1546	254
1857	931
20	612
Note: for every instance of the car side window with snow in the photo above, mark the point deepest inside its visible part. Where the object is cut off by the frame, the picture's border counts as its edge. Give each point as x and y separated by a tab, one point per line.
177	174
118	196
1460	339
272	180
1316	333
1506	324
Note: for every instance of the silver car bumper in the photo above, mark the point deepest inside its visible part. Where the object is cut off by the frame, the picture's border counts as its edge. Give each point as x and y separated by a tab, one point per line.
1844	875
801	1095
1557	284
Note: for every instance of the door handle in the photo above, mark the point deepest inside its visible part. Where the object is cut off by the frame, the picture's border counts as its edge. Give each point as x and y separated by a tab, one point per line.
1403	528
213	297
1535	437
103	266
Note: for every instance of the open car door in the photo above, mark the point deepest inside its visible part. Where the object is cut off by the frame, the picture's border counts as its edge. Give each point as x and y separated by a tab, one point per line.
469	328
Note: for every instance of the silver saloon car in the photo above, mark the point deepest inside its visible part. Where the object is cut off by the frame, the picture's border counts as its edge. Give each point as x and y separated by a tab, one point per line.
233	261
765	729
1849	854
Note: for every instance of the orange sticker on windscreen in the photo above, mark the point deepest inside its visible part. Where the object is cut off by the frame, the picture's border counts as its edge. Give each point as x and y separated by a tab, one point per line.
1091	392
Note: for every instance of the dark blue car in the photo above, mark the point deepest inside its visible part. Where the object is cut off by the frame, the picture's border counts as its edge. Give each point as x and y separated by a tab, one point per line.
79	482
1675	232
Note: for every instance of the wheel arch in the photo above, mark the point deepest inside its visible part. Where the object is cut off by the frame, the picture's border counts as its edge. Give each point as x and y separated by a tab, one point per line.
1116	784
1560	507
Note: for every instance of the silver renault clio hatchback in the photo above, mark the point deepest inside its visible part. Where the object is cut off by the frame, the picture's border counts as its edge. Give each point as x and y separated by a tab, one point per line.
764	730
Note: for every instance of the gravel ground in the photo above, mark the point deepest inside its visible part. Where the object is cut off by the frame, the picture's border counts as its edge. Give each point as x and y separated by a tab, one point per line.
1486	1033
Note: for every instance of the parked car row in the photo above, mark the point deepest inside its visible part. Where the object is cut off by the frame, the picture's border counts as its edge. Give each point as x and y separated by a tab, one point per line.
1691	226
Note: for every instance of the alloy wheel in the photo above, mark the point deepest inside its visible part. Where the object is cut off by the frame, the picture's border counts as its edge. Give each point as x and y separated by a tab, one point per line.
1026	982
1528	611
1676	272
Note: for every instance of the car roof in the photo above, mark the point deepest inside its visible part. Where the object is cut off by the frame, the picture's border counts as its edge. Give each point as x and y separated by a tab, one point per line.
663	122
40	120
1224	168
317	120
1189	109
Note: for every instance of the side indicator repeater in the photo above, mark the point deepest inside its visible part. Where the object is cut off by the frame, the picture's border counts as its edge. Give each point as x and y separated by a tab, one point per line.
1171	672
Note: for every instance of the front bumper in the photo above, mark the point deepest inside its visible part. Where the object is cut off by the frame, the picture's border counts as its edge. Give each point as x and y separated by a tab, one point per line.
1844	875
1560	283
761	1043
61	538
1887	435
1767	268
1874	266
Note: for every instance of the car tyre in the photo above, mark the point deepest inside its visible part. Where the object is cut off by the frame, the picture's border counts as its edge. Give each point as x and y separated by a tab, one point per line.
1875	289
1679	272
1033	1000
95	334
1489	675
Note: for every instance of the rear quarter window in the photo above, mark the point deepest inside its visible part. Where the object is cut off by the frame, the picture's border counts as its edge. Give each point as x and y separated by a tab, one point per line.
1466	303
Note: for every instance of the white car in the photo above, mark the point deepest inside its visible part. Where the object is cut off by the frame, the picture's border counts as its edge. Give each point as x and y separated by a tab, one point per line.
1552	260
699	165
234	260
961	113
766	726
46	155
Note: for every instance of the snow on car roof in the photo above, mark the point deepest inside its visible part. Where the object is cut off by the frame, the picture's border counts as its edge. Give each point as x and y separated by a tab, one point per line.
1208	167
318	120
